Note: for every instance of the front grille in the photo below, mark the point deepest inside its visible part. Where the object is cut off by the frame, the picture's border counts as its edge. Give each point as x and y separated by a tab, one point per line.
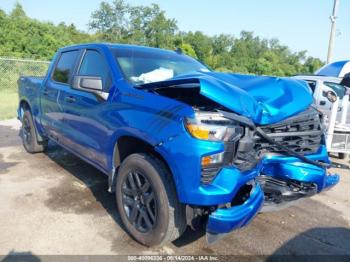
301	133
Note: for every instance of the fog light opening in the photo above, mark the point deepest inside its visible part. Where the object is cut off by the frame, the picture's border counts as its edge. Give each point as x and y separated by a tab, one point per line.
242	195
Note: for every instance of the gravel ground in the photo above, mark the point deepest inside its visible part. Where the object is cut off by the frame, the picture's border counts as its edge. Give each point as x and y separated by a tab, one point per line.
54	203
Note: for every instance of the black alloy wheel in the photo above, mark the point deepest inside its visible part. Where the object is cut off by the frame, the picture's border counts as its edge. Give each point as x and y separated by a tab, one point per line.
139	202
26	129
147	201
30	136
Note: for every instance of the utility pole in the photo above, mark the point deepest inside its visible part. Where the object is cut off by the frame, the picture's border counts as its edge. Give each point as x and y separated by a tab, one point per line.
333	17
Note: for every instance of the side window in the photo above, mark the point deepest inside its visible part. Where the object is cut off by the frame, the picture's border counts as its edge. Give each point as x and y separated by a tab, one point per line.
94	64
65	66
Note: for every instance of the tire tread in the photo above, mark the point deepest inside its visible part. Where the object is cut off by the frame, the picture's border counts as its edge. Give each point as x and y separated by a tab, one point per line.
35	146
176	224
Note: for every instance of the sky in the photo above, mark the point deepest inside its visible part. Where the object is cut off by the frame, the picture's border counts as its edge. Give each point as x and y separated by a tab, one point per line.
299	24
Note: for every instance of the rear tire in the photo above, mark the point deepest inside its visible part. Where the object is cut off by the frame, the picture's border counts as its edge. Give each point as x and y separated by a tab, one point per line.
342	155
147	201
29	135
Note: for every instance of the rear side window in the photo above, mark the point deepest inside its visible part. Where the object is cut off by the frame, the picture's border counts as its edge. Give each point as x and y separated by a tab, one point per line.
94	64
65	66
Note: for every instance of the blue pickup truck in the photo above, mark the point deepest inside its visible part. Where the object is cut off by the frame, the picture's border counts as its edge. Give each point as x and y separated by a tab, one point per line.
181	145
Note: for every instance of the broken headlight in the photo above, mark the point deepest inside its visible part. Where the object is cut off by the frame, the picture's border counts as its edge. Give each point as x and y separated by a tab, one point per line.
213	127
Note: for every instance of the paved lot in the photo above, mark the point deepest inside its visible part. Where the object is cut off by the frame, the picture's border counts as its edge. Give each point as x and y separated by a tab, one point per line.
54	203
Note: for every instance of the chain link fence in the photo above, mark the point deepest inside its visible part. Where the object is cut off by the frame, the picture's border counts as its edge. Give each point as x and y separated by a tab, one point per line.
10	71
12	68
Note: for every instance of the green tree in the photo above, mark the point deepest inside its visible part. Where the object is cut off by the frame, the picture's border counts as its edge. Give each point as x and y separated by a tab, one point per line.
119	21
17	11
145	25
312	64
110	21
21	36
188	50
202	45
150	26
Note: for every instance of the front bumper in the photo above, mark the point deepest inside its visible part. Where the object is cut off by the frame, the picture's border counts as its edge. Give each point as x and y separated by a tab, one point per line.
287	179
184	153
291	168
224	220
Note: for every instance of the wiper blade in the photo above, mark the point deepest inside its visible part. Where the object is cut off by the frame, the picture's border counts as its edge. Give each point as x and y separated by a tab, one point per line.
168	83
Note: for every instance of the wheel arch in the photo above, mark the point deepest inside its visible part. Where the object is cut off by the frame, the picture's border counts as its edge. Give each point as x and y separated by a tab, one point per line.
127	145
23	104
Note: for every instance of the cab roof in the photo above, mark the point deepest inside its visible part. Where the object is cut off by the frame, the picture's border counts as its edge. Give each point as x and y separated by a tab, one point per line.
112	46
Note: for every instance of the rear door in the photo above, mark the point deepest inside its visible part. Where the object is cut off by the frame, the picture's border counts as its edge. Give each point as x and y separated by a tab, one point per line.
56	85
85	113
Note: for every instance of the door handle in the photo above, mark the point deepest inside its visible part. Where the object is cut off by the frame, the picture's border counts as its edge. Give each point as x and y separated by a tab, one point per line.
70	99
45	92
323	103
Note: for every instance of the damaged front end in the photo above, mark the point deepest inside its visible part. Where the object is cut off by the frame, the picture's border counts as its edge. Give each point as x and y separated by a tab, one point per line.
293	159
291	164
271	140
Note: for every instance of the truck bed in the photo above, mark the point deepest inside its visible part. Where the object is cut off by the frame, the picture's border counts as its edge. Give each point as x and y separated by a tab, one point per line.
29	91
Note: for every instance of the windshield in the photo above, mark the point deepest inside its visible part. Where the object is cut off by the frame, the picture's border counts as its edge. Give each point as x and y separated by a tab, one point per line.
147	65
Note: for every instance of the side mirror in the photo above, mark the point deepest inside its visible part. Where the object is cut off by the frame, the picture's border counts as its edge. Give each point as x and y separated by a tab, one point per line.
92	84
331	96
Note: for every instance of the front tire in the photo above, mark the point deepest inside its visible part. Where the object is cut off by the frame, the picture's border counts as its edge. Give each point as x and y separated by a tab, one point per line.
147	201
29	135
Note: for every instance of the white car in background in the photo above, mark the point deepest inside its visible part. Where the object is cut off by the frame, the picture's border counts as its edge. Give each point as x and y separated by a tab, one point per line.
320	86
326	90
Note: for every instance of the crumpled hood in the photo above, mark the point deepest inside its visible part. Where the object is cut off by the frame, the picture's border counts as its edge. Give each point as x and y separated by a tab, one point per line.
263	99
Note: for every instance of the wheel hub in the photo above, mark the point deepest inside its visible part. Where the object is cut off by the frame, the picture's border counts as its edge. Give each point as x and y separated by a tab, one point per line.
139	201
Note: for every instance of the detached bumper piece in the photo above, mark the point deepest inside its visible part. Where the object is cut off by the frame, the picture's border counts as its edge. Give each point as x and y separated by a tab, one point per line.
284	183
279	194
224	220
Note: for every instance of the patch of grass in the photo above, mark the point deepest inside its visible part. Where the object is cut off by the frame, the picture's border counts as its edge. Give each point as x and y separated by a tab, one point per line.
8	104
10	71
